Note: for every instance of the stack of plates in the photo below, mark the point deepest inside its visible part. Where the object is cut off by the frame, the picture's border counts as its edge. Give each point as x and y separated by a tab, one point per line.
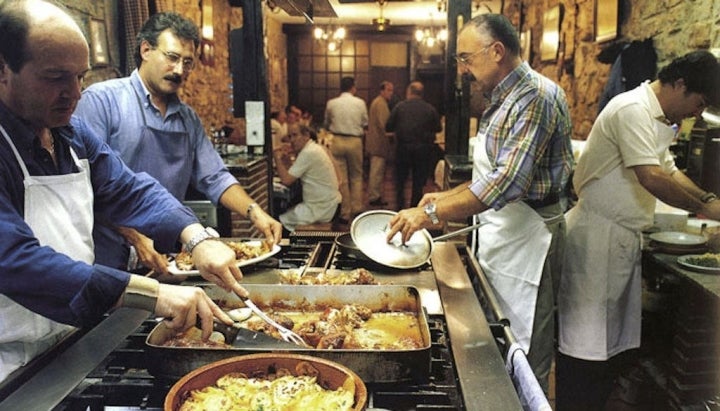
676	242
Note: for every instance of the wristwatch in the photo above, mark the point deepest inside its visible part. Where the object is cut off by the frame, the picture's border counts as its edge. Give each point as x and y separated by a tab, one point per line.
206	234
431	211
708	197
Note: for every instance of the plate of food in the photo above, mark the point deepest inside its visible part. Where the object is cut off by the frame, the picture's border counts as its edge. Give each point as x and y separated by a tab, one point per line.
246	253
703	263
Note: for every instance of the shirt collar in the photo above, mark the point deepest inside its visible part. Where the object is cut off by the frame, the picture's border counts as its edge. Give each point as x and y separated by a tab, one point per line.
139	86
655	109
506	85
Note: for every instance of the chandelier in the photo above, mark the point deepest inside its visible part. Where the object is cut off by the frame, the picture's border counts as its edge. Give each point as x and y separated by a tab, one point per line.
331	37
381	23
429	36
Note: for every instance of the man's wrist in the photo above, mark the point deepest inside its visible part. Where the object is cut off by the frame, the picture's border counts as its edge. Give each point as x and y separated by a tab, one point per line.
252	207
206	234
141	292
708	197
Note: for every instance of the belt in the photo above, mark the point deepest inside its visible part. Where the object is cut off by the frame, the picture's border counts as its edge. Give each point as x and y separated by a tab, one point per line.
344	135
550	199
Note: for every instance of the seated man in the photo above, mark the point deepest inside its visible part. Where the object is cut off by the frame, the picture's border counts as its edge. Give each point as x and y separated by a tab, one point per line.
315	170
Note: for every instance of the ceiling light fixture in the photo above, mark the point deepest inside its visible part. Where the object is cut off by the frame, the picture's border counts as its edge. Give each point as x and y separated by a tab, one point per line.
332	37
381	23
429	36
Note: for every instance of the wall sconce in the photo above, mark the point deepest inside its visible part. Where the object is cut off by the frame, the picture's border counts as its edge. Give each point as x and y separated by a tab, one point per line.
429	37
333	38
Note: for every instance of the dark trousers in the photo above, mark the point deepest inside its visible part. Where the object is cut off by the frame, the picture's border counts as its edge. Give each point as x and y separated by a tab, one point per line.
586	385
415	159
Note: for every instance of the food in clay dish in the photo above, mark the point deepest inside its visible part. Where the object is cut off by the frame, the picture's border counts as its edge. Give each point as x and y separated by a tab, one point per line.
275	388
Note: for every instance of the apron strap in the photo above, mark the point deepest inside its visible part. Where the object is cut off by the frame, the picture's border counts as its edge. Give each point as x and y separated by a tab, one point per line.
26	174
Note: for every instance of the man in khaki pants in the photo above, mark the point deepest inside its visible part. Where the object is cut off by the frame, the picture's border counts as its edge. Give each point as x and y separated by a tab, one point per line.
346	118
378	143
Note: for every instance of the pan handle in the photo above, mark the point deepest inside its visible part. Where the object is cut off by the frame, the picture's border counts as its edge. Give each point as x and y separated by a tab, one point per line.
457	232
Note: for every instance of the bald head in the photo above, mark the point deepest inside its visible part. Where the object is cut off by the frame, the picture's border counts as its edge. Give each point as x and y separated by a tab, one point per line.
43	60
415	90
31	28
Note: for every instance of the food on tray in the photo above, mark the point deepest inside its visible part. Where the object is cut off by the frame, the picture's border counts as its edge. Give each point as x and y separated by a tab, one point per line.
709	260
351	326
280	389
360	276
243	251
193	338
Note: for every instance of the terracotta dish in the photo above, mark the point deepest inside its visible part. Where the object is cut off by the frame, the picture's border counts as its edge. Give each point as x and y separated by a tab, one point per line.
331	375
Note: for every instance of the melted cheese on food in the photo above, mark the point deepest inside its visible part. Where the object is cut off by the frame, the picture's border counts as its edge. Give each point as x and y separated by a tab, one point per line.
233	392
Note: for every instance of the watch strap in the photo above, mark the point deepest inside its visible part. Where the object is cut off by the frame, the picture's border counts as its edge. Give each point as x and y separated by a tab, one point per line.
430	210
708	197
207	233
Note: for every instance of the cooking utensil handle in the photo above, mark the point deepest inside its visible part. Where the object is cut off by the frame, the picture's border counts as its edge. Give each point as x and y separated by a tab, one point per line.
457	233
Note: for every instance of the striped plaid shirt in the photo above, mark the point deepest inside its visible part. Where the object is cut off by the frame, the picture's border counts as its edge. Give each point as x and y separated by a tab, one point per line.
528	130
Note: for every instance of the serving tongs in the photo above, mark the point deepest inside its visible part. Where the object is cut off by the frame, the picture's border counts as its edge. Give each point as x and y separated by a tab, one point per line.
239	336
285	334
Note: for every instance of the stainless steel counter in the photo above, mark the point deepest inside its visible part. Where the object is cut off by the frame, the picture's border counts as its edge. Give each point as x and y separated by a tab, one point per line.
446	290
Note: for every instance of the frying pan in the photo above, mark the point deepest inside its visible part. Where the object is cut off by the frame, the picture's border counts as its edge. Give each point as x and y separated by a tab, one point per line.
346	245
369	232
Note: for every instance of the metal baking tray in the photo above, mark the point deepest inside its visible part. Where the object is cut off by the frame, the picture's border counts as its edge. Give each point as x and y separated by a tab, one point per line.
375	366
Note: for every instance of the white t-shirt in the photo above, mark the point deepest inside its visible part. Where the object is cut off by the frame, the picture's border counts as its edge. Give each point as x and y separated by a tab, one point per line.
624	134
314	168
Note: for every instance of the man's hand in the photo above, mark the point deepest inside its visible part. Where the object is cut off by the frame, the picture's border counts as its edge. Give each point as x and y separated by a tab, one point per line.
145	247
216	263
711	210
271	228
407	222
182	306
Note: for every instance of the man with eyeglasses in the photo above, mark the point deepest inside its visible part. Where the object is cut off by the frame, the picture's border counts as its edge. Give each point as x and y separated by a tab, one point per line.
142	118
522	163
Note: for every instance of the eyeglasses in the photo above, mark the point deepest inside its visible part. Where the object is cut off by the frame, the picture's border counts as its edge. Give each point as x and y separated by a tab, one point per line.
173	59
466	59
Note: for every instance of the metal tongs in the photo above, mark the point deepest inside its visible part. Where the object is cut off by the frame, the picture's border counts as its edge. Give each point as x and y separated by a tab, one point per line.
286	334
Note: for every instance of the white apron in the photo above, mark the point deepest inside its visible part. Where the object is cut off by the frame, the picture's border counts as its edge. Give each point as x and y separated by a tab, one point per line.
600	296
59	210
511	247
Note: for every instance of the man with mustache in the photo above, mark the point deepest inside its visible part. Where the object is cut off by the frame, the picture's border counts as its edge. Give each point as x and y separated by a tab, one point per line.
521	165
142	118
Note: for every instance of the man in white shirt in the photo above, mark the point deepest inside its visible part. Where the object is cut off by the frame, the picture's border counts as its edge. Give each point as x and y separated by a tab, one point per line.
346	118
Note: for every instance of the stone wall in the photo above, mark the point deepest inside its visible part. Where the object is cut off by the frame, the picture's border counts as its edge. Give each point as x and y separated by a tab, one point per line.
676	26
209	87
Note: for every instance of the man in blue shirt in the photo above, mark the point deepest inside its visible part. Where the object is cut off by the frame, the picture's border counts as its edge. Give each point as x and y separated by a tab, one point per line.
56	179
143	120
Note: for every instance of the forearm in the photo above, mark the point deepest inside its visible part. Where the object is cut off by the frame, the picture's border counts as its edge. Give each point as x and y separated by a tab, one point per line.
459	205
667	188
285	177
236	199
688	185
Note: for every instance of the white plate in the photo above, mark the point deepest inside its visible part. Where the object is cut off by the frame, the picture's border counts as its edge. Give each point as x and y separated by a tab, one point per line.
683	261
172	267
677	238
